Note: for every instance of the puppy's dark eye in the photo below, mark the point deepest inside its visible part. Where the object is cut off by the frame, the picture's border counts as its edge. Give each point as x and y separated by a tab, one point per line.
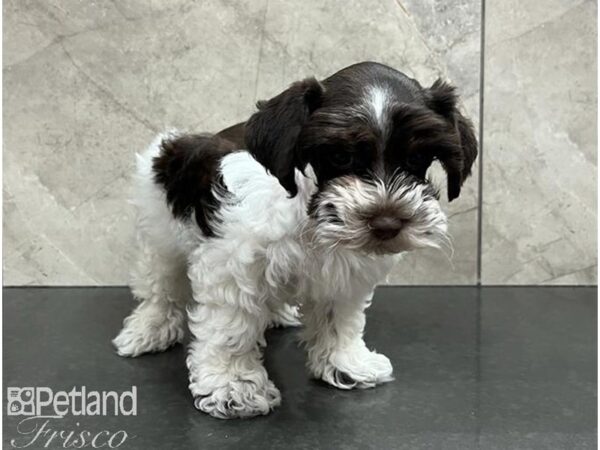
341	158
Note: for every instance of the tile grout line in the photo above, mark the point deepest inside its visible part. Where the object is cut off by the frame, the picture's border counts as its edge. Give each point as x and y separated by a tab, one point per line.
480	171
478	366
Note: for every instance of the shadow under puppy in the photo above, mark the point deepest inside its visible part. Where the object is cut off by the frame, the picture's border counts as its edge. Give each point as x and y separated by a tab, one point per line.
295	215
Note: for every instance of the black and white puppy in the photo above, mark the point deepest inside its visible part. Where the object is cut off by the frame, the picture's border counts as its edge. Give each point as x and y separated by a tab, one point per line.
295	215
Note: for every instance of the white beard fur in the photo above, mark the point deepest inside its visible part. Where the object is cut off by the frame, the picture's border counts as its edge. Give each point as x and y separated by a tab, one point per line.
259	271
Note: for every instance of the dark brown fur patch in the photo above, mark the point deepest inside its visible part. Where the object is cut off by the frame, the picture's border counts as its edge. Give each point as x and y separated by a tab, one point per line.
188	170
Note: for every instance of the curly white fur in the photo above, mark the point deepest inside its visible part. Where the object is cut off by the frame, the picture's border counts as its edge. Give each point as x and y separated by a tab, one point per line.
268	260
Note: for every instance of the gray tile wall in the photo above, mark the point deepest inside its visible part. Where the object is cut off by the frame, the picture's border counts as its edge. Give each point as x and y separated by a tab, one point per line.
87	84
540	143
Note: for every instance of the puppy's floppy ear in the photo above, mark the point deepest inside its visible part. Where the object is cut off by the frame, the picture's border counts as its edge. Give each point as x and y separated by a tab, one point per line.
441	97
272	132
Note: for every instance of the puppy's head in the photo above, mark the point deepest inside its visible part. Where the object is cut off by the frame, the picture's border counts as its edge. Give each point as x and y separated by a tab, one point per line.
370	134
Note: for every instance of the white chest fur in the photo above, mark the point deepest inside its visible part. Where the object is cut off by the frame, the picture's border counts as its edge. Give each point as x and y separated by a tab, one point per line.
264	227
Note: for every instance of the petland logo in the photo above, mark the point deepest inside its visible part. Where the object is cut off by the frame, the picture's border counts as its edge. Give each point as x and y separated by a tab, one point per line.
42	408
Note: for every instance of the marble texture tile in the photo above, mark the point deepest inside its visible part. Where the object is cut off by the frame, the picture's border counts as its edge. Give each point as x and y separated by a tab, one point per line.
540	154
87	84
78	110
452	30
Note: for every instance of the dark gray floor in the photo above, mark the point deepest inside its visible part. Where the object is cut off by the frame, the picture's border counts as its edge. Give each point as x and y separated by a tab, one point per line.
491	368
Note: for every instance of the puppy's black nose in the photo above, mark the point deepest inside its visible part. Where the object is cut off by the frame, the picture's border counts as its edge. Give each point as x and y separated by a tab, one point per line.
385	227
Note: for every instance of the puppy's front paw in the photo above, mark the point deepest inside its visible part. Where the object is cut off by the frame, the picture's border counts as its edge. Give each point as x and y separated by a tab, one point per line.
356	369
238	399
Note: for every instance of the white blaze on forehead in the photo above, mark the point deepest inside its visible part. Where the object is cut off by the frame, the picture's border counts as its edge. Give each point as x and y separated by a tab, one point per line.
377	99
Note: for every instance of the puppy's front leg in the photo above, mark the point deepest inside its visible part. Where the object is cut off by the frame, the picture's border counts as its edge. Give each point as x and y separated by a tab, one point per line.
337	352
227	378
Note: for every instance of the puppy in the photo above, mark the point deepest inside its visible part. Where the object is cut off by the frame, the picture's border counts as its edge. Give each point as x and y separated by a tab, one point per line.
295	215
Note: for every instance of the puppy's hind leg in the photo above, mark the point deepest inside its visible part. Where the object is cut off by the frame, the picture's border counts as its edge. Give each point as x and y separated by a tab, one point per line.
159	281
